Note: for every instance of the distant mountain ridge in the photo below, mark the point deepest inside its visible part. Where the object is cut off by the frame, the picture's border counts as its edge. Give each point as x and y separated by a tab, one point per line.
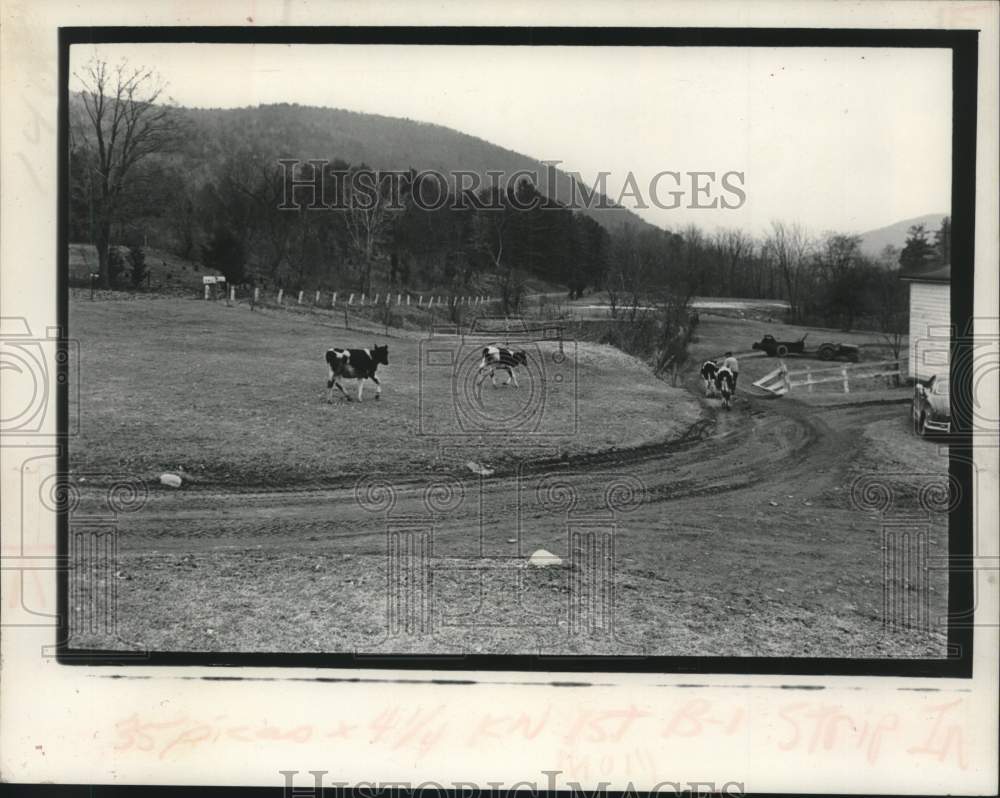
874	241
382	142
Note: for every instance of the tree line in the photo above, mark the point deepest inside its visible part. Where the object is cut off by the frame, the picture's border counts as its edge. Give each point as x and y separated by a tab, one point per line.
136	181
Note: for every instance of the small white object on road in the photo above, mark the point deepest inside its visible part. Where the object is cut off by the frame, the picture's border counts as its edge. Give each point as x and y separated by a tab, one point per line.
170	480
543	557
476	468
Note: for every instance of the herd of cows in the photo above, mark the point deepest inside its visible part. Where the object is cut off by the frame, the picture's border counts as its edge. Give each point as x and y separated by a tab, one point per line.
361	365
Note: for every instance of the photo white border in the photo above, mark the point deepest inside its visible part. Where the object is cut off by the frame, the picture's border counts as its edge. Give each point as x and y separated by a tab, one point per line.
72	724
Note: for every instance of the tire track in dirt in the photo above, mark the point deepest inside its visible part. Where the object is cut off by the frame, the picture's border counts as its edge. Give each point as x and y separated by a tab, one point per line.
757	444
703	566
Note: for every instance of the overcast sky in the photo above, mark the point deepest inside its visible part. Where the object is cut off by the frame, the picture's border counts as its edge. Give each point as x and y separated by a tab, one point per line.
836	139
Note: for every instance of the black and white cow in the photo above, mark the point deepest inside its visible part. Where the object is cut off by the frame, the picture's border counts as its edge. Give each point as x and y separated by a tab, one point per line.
355	364
708	371
726	384
500	357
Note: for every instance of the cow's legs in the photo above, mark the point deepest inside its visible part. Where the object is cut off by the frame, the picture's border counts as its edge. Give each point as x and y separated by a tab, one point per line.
329	388
378	387
339	388
513	376
493	377
361	386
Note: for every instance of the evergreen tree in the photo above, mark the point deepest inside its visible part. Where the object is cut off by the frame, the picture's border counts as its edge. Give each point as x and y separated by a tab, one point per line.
942	241
918	253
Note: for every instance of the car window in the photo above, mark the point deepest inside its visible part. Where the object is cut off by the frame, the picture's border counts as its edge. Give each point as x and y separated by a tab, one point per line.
941	388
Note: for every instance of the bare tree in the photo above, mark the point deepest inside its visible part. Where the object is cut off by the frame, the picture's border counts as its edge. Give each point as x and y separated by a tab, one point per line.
789	247
629	277
736	249
491	228
368	218
893	311
127	125
245	195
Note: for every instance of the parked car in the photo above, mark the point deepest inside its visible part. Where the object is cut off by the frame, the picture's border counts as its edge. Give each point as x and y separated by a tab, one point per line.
832	351
931	409
775	348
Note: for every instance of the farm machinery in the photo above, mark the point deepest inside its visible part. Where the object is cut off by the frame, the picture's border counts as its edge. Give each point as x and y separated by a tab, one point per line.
772	347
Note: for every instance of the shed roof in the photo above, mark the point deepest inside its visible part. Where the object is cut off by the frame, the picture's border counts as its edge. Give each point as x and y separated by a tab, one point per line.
935	274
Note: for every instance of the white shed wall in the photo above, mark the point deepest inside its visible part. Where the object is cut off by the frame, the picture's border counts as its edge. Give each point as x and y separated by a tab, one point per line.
930	320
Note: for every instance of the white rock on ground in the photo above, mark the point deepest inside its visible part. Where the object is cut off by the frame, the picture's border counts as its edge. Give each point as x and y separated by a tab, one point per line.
170	480
475	468
543	557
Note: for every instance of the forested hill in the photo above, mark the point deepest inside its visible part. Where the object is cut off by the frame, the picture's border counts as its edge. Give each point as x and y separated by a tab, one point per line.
211	187
382	142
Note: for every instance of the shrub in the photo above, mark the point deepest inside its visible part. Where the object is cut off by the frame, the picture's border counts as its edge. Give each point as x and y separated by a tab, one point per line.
116	266
137	260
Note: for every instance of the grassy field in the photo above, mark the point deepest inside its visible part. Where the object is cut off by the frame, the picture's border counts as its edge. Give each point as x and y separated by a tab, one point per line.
745	540
237	399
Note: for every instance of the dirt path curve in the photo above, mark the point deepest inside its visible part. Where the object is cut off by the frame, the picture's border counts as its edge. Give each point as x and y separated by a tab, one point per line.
738	539
758	443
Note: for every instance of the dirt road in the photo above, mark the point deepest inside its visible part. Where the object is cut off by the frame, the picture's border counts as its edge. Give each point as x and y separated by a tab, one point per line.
739	539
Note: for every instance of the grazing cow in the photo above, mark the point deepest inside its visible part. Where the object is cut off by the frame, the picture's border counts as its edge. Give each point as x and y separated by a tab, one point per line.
500	357
355	364
708	371
726	384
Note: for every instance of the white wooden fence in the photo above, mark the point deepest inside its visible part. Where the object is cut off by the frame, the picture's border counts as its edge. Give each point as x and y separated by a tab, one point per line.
349	299
781	380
